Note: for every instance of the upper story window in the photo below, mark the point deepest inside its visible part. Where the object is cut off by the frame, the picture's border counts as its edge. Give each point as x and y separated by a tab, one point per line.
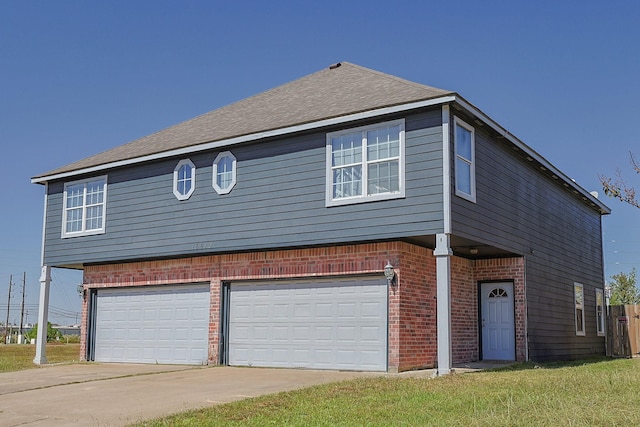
365	164
600	314
465	168
184	179
578	291
84	207
224	172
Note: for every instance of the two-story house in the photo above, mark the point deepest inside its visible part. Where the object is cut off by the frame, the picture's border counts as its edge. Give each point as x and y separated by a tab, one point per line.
258	235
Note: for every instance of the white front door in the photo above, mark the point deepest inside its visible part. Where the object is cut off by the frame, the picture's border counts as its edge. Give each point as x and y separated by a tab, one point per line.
497	317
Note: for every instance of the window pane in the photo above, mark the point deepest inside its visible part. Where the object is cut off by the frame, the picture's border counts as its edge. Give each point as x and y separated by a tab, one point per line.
224	177
94	218
75	196
185	174
347	182
579	325
95	192
579	297
383	177
74	220
463	142
346	149
463	176
383	143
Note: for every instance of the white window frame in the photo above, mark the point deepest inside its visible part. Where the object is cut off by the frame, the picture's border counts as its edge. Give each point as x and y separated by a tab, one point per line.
176	179
457	122
579	305
601	313
219	157
65	210
364	197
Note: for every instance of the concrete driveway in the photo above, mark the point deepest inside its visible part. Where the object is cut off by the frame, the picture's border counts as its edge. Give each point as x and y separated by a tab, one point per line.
118	394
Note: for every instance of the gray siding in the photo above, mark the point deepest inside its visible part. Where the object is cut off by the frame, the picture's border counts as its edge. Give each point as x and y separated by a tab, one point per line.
278	202
529	213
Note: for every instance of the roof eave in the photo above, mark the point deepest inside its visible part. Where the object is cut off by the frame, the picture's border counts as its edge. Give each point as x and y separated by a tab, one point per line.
246	138
531	153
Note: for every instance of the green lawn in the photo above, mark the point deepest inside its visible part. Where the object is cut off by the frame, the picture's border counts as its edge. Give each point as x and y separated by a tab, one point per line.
14	357
591	393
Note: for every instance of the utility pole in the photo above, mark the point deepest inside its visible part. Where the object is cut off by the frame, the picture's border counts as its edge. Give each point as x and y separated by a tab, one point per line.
6	325
24	283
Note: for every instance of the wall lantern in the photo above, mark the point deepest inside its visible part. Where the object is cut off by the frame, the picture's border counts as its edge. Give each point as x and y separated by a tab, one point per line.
390	274
81	290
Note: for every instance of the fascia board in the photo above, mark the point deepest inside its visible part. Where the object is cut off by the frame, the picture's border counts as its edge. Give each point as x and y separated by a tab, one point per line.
604	209
247	138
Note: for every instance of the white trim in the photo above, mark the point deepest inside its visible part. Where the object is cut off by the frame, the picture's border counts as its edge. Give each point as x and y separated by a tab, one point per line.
443	255
582	332
66	234
44	222
214	183
530	152
446	168
176	178
457	122
329	122
248	138
364	197
43	316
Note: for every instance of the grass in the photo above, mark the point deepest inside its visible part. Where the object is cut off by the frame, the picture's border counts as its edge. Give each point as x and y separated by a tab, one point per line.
602	393
15	357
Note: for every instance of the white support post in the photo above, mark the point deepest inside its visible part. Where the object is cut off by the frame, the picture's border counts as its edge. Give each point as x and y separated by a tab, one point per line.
443	255
43	317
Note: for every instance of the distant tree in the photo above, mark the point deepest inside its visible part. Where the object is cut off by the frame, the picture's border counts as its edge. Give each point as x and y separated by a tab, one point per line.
617	187
52	333
624	289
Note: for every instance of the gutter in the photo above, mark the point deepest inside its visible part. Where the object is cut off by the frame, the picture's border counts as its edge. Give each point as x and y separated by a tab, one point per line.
246	138
531	154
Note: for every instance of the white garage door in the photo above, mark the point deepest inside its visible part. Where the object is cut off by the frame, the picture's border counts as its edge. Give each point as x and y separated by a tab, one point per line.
321	324
154	324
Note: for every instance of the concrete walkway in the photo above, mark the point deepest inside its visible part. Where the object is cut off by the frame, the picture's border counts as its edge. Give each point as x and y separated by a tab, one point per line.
119	394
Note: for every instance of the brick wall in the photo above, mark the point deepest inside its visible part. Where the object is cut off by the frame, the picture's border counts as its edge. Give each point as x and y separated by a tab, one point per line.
412	338
411	301
464	312
417	310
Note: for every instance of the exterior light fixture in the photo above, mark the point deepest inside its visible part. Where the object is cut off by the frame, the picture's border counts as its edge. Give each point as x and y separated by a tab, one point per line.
390	274
81	290
473	251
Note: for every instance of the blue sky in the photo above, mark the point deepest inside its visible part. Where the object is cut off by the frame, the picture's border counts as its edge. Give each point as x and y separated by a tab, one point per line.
79	77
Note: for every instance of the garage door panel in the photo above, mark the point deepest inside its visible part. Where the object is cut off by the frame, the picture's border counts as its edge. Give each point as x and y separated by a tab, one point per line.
322	324
159	324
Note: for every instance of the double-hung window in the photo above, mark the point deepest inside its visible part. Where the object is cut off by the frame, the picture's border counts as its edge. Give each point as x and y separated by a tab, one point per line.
84	207
465	166
365	164
578	291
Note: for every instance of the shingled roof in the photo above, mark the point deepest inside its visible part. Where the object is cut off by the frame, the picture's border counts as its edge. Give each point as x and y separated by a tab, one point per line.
339	90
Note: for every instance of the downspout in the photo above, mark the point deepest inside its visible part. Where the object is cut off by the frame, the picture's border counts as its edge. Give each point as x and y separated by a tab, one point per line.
43	307
443	255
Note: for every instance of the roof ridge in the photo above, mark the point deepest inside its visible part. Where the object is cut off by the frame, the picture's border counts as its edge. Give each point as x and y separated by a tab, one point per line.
338	90
392	77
